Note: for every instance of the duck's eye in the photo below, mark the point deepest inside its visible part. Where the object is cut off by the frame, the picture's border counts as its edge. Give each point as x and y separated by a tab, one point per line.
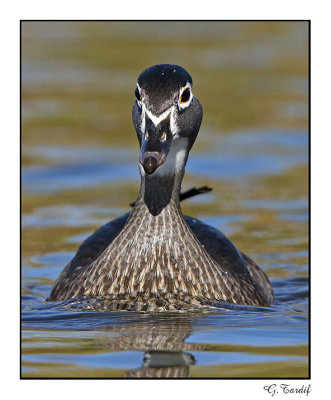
185	97
137	94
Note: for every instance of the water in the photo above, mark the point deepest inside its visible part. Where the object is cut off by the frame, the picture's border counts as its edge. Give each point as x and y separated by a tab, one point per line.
79	170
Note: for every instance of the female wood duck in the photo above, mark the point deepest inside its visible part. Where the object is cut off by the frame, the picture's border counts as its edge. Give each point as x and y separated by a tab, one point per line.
154	258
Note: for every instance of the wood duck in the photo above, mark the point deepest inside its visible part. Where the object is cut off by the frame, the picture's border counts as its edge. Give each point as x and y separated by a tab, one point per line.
154	258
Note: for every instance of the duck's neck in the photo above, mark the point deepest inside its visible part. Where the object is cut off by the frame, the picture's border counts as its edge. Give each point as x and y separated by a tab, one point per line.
156	192
163	186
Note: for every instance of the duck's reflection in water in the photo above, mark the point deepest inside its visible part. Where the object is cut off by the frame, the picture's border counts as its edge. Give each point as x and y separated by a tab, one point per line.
162	338
163	364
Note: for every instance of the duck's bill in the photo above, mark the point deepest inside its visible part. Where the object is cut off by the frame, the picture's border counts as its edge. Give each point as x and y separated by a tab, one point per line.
155	146
151	160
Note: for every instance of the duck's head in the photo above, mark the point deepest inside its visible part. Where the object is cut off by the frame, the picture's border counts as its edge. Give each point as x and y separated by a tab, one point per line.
167	118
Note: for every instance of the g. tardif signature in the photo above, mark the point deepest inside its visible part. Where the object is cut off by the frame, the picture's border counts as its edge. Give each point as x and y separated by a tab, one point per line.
287	389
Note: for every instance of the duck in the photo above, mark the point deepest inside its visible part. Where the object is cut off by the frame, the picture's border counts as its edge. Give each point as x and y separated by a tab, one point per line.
154	258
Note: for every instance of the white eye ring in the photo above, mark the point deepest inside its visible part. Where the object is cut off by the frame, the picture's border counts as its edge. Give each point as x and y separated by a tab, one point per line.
186	90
